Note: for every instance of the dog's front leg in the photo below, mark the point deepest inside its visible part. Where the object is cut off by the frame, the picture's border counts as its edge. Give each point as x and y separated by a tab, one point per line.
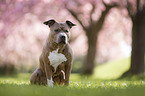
67	73
48	72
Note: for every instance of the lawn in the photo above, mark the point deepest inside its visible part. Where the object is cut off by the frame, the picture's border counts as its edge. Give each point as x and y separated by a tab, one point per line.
95	85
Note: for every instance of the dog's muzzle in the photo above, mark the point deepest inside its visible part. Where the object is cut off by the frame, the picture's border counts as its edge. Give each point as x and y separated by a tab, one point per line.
61	39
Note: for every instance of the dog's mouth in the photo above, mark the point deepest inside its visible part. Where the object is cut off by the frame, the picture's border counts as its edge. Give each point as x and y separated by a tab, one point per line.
62	42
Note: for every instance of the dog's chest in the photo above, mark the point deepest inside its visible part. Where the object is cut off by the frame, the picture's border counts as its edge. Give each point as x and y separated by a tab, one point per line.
56	58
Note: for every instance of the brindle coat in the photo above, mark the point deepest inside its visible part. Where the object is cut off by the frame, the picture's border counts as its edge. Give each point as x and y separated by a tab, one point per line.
45	70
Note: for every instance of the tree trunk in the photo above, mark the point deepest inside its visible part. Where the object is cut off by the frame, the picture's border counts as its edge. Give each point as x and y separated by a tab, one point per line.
92	34
138	43
89	62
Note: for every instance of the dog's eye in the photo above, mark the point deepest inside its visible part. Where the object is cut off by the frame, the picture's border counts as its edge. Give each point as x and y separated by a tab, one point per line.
66	31
57	30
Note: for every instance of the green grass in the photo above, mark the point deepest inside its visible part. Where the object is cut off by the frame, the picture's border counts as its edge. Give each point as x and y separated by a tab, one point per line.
112	70
96	85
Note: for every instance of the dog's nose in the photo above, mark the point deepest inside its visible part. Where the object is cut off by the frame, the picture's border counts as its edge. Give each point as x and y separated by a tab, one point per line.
62	37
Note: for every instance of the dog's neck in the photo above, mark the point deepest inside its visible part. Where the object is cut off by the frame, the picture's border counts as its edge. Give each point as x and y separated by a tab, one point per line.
53	46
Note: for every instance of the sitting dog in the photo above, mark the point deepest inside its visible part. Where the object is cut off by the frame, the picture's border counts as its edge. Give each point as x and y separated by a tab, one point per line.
56	57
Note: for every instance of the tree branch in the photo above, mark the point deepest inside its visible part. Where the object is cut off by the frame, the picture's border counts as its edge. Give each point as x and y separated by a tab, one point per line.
137	6
76	17
129	10
99	23
92	11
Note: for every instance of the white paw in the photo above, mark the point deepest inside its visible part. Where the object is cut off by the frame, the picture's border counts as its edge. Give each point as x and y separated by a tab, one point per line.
50	82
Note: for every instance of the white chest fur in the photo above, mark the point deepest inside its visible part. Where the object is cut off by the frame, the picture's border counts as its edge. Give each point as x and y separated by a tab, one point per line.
56	58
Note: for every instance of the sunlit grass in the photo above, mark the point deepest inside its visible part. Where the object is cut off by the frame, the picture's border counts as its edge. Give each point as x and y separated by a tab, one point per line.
96	85
19	86
112	70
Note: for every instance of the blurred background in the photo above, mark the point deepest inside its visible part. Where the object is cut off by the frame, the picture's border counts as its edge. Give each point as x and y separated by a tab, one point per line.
103	33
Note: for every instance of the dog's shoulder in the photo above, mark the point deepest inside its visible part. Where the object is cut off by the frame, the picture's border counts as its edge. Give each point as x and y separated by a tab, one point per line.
67	49
68	52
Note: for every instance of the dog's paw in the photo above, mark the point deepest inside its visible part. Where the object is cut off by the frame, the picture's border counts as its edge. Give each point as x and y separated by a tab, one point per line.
50	82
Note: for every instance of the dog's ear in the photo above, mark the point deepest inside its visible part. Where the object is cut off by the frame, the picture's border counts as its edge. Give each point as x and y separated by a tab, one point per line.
70	24
49	22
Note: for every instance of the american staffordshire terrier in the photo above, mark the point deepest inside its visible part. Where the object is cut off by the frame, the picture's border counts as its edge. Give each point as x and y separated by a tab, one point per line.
56	57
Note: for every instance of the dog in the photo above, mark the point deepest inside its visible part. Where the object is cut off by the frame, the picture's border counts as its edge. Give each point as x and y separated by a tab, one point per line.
55	61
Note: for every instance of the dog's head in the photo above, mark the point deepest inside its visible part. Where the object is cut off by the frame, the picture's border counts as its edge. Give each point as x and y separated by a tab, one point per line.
59	32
